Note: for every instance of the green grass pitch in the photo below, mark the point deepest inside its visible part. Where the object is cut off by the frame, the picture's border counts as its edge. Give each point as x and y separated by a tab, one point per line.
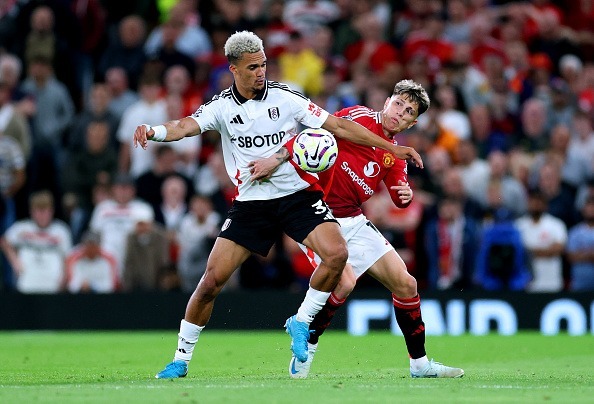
251	367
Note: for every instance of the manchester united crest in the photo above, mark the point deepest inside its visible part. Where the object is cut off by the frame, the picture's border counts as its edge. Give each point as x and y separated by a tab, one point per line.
273	113
388	160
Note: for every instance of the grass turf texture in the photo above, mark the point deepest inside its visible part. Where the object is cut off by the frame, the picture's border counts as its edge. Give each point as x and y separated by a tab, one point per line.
251	367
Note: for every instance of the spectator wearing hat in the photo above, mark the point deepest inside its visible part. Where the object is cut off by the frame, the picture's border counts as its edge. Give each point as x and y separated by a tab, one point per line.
114	219
89	268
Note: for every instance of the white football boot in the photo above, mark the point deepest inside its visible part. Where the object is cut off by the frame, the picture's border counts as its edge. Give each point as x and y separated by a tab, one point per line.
436	369
300	370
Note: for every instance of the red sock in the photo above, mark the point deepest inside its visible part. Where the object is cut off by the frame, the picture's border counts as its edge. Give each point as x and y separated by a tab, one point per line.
408	316
322	320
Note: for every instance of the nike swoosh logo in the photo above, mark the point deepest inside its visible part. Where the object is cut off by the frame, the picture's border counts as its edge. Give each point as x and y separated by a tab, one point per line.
294	371
315	156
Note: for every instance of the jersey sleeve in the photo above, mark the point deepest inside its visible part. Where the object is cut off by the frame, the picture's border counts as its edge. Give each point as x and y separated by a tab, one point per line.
95	222
360	114
308	113
396	173
207	115
12	234
65	239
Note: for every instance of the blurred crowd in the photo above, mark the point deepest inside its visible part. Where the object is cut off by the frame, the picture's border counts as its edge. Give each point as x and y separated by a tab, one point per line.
505	202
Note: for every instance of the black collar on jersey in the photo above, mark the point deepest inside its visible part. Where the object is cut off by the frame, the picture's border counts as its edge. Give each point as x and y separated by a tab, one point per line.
240	99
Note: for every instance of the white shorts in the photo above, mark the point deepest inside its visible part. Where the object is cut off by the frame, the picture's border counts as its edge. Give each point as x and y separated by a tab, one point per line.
365	243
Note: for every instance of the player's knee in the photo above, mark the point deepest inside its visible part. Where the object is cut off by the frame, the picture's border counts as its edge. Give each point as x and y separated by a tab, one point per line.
208	288
409	287
346	284
337	258
350	280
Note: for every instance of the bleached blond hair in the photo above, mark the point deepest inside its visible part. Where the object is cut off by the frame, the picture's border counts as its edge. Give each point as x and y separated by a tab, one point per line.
240	43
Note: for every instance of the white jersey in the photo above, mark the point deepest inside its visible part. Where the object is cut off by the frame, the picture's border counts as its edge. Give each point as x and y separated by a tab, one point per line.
255	129
138	113
114	222
547	272
42	253
99	273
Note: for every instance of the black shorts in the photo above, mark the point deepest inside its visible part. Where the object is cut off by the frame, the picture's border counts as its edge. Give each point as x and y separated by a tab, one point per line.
257	225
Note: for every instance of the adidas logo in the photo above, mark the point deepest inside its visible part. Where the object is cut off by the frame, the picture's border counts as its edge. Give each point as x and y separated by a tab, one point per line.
237	119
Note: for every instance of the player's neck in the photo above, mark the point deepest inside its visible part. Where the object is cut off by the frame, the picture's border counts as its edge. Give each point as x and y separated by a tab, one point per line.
248	93
388	134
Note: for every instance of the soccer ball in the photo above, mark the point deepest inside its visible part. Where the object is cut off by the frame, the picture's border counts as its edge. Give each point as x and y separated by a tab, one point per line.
315	150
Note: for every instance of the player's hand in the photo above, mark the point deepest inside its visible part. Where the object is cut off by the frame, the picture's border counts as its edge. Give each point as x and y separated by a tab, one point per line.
406	153
141	135
404	191
264	168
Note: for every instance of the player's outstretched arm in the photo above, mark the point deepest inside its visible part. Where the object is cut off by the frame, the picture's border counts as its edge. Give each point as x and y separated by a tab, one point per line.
356	133
168	132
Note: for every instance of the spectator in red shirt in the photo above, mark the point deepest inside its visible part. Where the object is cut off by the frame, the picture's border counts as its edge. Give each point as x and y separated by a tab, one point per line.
372	52
429	43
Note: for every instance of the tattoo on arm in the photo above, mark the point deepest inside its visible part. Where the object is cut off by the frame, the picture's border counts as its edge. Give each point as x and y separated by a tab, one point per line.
283	155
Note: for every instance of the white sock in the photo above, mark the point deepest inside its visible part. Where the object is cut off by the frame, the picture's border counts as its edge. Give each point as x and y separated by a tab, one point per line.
313	302
418	364
186	341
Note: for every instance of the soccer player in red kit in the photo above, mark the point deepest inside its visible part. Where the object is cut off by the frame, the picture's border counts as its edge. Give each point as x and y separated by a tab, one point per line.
354	178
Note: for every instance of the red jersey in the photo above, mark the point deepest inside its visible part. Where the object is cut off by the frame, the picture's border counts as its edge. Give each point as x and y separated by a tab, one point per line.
358	170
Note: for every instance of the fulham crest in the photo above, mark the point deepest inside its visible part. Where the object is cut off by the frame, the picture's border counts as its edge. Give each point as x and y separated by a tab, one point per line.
273	113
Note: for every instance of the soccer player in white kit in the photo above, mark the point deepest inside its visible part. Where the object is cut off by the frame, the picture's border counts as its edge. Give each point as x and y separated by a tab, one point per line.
255	117
355	176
